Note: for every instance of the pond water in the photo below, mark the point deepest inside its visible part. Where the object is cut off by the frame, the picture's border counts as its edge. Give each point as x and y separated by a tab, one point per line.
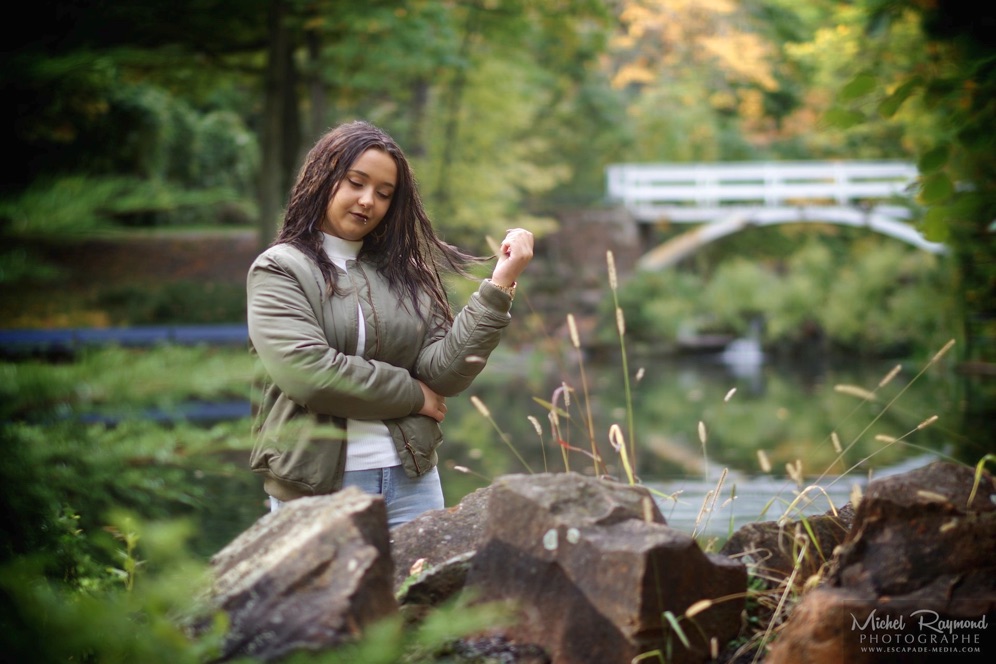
722	439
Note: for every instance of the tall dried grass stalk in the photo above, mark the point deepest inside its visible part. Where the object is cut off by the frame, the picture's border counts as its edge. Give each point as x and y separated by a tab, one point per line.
889	442
483	410
576	341
802	494
882	411
565	392
621	330
709	503
618	442
703	437
789	585
979	467
539	432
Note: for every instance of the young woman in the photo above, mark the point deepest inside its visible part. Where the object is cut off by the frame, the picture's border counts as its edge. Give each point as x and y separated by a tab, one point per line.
350	321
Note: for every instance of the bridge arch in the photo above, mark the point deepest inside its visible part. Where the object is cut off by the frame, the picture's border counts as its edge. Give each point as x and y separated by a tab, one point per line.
726	197
686	244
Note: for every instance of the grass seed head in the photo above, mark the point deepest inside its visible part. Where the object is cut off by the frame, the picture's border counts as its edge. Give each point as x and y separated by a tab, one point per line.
939	354
762	459
855	391
697	608
889	376
794	471
573	328
856	495
481	408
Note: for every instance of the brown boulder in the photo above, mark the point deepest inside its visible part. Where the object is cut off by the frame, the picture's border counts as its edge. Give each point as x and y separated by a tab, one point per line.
310	576
914	581
439	535
770	549
917	529
592	568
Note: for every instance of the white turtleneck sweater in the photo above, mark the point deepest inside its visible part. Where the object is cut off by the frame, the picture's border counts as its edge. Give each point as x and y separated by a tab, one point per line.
368	442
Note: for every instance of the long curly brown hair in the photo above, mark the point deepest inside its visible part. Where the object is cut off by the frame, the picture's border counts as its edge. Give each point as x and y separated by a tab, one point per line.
404	246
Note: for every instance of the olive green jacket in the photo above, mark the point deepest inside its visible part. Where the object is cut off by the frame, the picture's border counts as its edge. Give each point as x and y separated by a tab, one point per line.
313	380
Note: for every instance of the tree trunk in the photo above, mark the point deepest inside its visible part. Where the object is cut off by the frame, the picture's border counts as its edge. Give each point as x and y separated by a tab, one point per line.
420	101
318	111
272	179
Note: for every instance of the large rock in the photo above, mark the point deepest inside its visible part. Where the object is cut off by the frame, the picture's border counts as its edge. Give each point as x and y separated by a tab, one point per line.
917	529
770	549
307	577
918	554
438	536
592	568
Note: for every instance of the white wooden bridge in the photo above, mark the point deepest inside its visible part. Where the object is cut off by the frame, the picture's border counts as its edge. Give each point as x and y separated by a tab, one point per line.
727	197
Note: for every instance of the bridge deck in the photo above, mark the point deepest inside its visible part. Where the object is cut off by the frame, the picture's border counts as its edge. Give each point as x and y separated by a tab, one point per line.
696	192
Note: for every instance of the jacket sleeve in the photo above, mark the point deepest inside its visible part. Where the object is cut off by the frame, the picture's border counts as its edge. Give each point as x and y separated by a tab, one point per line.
452	357
288	337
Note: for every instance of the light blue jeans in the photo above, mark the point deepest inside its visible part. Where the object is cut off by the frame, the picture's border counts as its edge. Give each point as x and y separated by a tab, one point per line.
405	497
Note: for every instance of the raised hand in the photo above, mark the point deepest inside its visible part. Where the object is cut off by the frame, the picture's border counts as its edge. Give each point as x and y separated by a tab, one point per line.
514	254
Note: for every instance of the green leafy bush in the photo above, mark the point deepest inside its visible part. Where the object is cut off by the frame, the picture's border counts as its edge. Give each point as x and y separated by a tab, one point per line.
877	299
179	302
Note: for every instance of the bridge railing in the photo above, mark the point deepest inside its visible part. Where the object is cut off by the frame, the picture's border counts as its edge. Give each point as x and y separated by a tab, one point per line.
695	192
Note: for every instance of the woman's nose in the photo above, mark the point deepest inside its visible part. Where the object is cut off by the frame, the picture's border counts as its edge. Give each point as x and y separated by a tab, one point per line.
366	198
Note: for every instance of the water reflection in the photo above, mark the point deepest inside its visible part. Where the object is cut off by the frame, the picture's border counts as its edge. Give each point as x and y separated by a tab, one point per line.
762	422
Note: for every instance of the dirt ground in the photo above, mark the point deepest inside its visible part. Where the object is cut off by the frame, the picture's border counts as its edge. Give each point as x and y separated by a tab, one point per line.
83	267
218	257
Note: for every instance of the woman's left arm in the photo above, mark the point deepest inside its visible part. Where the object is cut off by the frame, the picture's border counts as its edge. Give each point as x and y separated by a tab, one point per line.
452	358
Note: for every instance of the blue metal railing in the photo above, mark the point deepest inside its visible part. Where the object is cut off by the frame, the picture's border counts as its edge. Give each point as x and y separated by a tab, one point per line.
69	339
62	341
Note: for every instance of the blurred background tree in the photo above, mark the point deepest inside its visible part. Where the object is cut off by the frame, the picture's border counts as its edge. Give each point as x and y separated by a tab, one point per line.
196	113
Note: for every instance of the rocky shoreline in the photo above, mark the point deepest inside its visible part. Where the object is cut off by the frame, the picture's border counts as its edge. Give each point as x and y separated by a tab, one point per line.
565	568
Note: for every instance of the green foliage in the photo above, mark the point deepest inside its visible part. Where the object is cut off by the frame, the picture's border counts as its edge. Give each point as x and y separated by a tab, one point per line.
120	380
500	167
78	205
46	620
658	306
880	300
73	205
738	291
86	471
109	527
939	93
178	302
104	148
18	266
61	476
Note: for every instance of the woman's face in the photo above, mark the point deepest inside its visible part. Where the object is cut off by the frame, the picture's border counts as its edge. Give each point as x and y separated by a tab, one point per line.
363	196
